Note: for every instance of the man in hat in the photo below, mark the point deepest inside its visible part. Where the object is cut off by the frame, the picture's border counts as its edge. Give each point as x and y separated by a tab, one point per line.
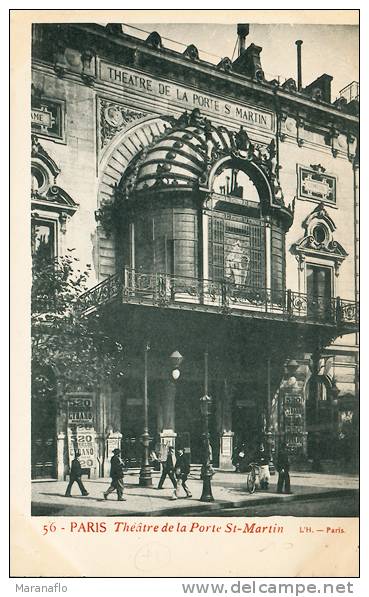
168	469
283	467
182	472
117	474
262	459
75	476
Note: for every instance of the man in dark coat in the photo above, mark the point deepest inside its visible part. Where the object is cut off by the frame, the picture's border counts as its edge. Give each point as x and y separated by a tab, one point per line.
117	474
75	476
283	467
182	472
168	469
262	458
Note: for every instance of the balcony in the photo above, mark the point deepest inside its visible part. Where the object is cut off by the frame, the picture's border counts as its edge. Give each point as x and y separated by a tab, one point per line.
180	292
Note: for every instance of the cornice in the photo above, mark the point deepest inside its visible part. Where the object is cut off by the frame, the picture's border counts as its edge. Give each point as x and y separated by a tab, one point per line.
176	67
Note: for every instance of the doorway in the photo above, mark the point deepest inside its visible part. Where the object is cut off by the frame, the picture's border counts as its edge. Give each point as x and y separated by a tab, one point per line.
43	426
319	292
189	424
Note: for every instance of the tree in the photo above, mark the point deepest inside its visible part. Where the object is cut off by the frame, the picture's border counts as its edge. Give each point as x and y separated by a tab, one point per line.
73	346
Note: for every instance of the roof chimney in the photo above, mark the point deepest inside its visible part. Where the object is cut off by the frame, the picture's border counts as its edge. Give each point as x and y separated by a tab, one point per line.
242	32
320	88
299	73
248	63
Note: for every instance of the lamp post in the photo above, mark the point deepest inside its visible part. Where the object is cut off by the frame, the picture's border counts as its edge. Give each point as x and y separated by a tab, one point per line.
145	479
175	360
206	469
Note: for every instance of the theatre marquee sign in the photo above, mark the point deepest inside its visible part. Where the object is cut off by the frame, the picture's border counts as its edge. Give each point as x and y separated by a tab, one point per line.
186	97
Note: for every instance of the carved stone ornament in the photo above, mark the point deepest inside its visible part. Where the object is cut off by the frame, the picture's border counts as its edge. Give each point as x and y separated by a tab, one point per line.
114	118
191	52
154	40
45	194
316	184
225	64
318	241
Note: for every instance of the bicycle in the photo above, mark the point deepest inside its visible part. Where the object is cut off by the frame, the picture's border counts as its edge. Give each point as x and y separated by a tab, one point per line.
252	476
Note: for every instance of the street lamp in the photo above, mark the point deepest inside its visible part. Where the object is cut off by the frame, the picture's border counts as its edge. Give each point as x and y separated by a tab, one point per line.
206	469
175	360
145	479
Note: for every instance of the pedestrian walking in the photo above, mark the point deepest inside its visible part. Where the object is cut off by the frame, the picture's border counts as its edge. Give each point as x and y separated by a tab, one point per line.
283	467
169	469
117	475
182	472
239	459
75	476
153	460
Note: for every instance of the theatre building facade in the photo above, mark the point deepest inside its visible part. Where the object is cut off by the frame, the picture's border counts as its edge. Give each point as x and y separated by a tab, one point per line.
219	213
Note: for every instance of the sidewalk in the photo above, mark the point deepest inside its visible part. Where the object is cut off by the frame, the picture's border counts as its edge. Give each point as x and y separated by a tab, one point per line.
229	491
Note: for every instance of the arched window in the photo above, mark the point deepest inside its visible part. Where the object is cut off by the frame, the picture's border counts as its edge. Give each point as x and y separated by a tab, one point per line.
235	182
236	230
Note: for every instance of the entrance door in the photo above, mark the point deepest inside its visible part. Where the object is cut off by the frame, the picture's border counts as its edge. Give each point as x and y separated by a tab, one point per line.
43	428
319	292
246	418
189	422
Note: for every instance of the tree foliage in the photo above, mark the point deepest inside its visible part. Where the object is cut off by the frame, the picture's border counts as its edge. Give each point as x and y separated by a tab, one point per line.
73	346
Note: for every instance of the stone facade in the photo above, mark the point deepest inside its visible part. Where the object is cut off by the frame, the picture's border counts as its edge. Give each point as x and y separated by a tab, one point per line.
113	99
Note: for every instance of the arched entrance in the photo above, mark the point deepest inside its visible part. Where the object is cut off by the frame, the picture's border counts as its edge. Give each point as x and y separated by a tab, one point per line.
43	425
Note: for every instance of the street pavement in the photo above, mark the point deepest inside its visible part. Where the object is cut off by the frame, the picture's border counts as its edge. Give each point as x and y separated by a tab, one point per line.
229	491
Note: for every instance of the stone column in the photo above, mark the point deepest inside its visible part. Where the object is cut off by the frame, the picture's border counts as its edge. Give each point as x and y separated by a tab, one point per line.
268	254
132	261
60	464
205	245
166	414
268	432
226	435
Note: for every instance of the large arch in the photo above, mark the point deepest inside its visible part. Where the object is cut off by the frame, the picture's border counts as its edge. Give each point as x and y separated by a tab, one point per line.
124	149
116	159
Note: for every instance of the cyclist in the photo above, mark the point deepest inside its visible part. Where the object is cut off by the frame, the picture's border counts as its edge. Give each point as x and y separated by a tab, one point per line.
262	459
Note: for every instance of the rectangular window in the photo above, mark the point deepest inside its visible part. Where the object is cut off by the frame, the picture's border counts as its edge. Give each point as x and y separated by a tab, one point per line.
319	292
216	248
236	250
43	238
185	250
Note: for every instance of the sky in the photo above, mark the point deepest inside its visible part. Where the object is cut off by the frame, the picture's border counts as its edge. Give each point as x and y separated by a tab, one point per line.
331	49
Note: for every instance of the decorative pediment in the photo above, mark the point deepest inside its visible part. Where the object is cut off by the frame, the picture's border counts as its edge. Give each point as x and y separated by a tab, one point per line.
55	196
37	151
318	241
45	194
319	213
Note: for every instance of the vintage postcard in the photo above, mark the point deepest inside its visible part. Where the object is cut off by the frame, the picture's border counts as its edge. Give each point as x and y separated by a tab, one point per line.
185	261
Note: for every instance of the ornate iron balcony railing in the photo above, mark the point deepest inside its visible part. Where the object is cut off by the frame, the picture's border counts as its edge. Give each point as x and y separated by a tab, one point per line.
163	290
